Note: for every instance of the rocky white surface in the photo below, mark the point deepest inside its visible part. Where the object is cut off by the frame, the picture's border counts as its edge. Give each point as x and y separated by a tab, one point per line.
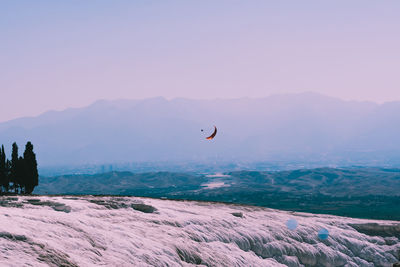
130	231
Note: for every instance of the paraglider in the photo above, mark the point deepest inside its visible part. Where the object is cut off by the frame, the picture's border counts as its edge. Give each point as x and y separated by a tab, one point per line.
213	134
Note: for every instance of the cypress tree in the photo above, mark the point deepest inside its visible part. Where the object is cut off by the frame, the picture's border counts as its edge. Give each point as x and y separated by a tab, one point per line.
21	174
14	167
8	175
3	170
31	177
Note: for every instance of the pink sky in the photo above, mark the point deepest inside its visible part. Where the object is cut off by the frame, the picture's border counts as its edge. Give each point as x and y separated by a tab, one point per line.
56	55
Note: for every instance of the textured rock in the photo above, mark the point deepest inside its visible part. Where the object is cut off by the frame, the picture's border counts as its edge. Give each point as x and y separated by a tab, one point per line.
129	231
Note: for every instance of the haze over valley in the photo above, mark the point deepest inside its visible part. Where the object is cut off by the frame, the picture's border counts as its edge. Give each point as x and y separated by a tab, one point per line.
305	128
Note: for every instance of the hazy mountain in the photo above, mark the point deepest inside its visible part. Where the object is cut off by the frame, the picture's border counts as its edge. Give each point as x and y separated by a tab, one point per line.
130	231
303	127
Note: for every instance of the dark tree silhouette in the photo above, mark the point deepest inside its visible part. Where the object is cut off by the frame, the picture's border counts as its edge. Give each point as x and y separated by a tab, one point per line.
30	169
8	174
20	175
3	171
14	167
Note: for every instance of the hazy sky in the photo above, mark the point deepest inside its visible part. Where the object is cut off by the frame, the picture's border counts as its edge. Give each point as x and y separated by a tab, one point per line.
58	54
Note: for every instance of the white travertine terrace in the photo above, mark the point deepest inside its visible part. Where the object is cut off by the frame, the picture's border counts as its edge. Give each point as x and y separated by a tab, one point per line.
107	231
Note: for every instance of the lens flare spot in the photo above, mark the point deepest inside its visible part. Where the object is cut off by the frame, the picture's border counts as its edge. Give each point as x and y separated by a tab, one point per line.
292	224
323	234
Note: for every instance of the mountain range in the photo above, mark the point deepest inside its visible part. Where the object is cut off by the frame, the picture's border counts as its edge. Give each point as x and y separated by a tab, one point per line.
306	127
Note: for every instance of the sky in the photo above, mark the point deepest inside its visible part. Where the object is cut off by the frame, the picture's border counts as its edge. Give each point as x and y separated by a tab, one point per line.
60	54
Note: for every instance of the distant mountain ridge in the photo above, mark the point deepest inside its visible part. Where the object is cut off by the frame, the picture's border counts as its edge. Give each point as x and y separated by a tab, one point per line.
303	127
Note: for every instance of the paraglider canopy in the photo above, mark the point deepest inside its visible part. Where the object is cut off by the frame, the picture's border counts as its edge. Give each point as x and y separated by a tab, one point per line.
213	134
